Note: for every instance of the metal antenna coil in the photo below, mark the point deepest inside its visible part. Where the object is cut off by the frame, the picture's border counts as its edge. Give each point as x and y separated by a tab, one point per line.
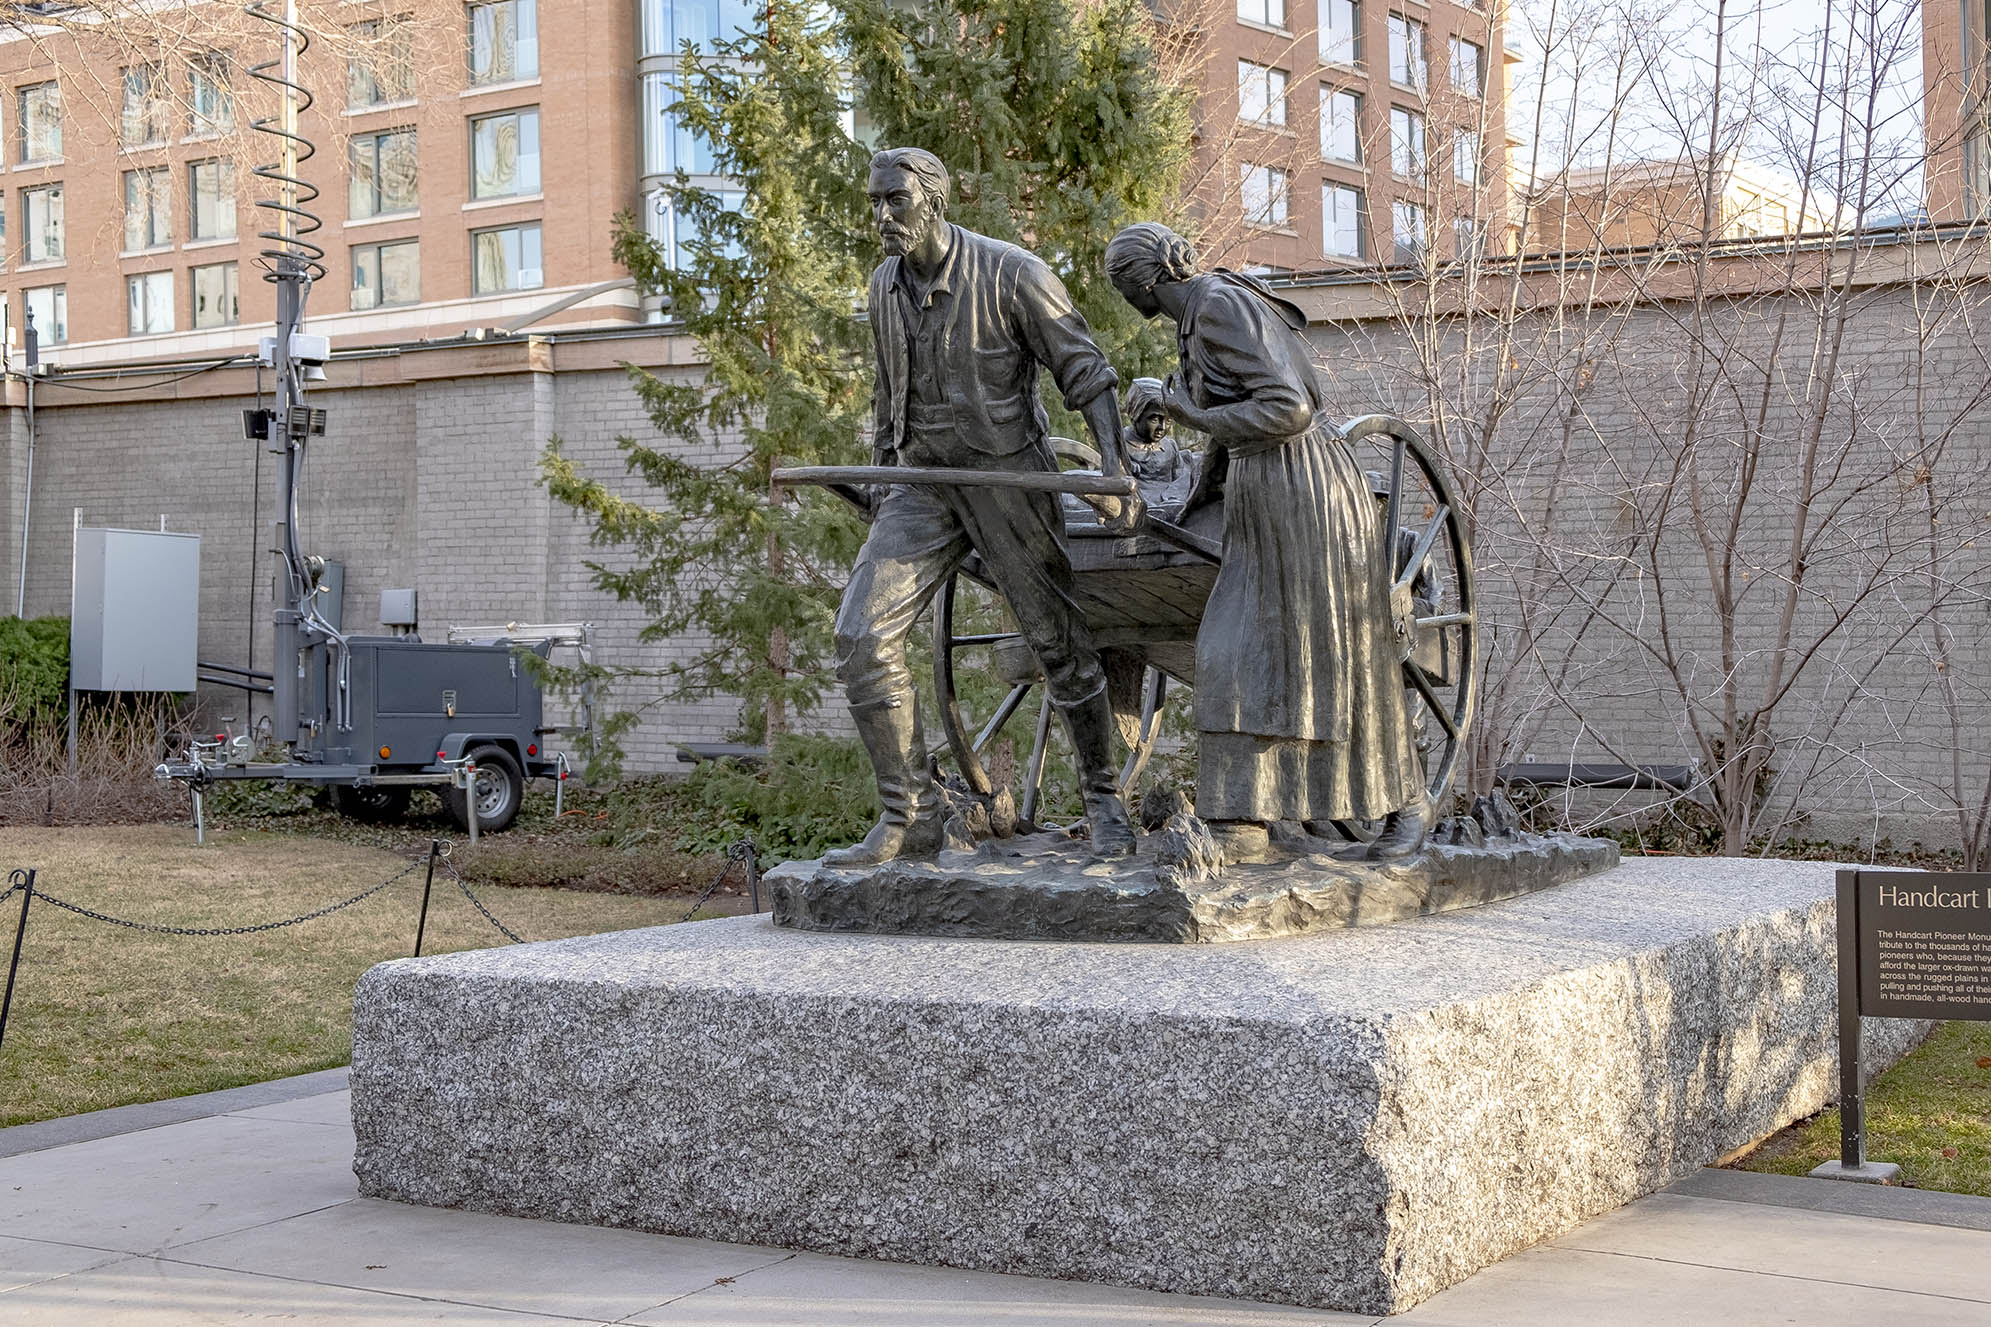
289	252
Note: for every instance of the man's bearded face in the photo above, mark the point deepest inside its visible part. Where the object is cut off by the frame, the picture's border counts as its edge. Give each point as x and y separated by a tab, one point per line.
901	210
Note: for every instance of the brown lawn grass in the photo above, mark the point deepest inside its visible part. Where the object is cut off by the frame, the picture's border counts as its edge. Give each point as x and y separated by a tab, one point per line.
104	1016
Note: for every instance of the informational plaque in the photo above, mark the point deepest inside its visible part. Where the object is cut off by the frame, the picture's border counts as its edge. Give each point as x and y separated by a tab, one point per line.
1924	945
1912	944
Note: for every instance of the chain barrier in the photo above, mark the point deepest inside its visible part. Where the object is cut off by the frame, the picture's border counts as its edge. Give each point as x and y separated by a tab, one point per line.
743	851
478	903
22	881
156	929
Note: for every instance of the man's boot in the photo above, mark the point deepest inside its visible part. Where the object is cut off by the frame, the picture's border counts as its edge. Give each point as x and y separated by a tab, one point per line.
1090	723
915	819
1403	832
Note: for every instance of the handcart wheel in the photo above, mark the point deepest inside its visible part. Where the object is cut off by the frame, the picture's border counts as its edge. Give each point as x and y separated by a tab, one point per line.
1138	690
1431	595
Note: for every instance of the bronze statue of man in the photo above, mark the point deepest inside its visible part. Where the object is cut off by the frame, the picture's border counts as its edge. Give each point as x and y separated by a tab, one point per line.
963	324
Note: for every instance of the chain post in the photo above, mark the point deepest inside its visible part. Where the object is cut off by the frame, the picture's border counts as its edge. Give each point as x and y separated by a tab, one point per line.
27	888
753	874
435	849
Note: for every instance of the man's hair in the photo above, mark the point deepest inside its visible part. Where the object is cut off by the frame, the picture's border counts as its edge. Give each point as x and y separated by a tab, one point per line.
922	166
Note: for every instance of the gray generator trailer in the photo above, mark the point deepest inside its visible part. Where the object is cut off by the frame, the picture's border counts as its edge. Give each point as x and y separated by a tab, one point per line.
369	717
379	716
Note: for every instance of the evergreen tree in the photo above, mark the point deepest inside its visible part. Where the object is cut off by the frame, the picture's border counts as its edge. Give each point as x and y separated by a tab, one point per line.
1058	130
769	287
1056	125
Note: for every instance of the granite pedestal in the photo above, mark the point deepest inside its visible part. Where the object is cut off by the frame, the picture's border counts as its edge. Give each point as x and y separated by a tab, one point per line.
1352	1119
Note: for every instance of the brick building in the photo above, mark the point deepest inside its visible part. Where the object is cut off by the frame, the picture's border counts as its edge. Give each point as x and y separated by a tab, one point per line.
1335	133
1665	204
470	155
468	158
1956	171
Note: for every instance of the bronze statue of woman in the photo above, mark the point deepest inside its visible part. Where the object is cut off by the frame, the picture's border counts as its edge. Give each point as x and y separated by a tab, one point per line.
1299	692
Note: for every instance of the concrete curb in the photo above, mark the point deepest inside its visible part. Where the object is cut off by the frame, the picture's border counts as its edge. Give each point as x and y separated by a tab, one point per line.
1929	1207
67	1129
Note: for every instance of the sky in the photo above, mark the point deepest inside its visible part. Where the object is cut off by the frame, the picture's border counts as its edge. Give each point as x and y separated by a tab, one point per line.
1829	93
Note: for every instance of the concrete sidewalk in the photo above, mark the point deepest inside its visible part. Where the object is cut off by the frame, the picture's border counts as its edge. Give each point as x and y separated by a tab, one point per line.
239	1207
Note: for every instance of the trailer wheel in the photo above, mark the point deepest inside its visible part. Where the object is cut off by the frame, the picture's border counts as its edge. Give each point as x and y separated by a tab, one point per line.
374	804
500	789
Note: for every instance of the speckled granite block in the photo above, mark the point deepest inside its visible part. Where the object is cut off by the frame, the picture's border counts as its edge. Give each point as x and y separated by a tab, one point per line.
1353	1119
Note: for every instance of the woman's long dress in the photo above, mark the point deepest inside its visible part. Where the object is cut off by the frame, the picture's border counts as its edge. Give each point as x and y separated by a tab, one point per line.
1299	692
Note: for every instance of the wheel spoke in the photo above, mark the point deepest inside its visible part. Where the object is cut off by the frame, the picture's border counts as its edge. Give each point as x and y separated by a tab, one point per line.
1152	695
1001	716
1033	780
1422	550
1422	681
1393	513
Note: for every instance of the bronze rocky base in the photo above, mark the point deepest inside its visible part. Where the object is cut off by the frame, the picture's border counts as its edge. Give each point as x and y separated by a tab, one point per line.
1176	891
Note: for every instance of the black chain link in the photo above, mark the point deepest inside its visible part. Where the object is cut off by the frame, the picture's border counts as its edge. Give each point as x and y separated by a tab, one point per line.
478	904
156	929
743	851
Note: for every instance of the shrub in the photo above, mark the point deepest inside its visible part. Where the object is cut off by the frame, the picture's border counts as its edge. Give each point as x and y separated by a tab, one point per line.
34	669
810	794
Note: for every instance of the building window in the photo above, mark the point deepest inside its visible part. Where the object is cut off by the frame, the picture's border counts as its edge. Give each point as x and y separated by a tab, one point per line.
387	274
1465	156
668	145
150	302
381	174
1265	13
1468	68
211	199
216	299
148	209
41	217
41	122
506	259
1340	125
1407	229
1261	94
210	94
1341	221
1406	143
381	68
504	154
147	106
678	235
1340	32
504	41
1264	191
669	24
49	307
1407	52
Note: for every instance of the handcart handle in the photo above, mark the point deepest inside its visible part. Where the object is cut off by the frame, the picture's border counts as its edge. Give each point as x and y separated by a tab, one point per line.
1040	481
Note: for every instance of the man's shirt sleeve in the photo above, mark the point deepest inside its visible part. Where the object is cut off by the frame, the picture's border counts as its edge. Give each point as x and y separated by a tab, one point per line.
1057	334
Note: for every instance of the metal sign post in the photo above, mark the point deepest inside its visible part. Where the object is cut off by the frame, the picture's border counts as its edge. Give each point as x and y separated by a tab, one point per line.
1852	1163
